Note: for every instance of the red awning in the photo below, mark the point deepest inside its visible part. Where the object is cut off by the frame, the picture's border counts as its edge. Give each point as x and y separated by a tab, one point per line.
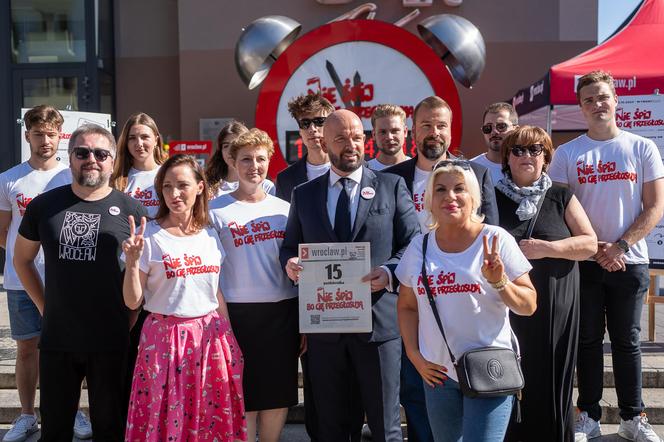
633	56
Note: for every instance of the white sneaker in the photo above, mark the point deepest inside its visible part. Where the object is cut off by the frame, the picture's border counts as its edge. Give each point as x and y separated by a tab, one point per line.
586	428
82	426
22	427
638	429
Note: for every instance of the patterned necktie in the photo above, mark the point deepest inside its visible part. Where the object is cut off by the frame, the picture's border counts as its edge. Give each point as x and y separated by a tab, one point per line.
342	214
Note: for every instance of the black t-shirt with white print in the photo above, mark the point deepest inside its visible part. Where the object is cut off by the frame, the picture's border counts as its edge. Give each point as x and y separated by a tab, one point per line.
84	309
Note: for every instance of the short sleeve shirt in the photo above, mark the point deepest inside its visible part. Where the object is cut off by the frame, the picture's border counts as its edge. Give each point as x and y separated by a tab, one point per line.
84	307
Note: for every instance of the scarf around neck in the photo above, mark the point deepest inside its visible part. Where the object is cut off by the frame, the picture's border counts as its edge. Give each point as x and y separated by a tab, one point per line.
527	197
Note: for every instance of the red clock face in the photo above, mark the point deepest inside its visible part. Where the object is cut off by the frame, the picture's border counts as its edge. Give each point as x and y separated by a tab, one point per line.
356	64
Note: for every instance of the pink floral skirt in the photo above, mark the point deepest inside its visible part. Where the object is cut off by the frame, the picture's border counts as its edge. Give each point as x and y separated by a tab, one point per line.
187	382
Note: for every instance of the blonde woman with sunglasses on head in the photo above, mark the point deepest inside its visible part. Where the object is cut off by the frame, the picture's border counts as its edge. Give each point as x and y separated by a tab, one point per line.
477	275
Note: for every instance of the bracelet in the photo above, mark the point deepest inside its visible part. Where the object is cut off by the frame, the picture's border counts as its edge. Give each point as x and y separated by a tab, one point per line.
500	285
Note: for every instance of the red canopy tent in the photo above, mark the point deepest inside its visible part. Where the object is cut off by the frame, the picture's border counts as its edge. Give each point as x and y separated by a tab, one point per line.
633	56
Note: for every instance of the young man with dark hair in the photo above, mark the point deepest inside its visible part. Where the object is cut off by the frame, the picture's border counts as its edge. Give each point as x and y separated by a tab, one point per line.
310	111
498	121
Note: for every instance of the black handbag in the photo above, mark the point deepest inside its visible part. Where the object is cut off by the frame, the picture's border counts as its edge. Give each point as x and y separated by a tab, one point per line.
482	372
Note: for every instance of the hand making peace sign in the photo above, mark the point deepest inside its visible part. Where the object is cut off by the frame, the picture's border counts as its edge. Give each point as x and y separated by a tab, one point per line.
133	246
492	267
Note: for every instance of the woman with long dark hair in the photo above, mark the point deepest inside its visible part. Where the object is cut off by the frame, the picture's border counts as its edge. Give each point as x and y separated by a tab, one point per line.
187	383
220	172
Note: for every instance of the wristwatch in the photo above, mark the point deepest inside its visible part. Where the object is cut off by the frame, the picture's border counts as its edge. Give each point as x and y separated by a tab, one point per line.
622	244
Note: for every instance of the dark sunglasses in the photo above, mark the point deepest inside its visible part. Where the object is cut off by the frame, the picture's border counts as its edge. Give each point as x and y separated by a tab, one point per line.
83	153
304	123
534	150
464	164
500	127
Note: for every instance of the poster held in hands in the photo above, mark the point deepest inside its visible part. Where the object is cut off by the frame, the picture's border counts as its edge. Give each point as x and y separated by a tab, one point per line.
333	298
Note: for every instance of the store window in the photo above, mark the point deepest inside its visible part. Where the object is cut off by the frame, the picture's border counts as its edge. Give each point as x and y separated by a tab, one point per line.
48	31
60	92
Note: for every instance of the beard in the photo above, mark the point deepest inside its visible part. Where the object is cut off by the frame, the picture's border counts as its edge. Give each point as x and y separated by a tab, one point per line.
344	165
92	178
432	148
390	149
44	155
496	144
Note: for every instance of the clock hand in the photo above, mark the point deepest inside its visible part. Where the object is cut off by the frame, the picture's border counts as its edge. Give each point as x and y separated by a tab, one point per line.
337	82
356	87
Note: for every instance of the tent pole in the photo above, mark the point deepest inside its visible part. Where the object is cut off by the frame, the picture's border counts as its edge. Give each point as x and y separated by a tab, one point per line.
548	119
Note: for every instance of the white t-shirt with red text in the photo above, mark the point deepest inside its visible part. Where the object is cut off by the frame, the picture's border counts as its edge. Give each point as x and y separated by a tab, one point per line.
140	186
472	312
607	177
419	186
183	271
251	234
18	186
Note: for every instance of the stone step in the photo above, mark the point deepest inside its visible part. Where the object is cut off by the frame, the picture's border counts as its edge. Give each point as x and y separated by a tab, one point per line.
652	377
652	397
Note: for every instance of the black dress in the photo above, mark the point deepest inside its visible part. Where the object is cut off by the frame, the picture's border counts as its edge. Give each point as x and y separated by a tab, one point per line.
548	339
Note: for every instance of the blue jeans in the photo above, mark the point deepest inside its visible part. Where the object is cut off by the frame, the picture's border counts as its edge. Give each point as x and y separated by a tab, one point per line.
454	417
24	318
613	300
412	399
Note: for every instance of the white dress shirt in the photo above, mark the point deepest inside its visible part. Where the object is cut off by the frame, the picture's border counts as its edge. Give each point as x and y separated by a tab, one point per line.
334	190
353	184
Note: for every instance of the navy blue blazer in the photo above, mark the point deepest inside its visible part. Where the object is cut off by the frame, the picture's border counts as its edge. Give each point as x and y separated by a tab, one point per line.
406	170
387	221
291	177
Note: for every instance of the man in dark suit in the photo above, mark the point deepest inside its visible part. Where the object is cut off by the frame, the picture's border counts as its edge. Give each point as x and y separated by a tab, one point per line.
432	132
352	203
310	111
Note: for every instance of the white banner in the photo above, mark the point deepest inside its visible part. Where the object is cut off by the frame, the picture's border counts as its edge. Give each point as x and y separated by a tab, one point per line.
73	120
644	115
333	299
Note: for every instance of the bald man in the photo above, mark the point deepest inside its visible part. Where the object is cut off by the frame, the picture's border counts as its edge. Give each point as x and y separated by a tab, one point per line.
350	203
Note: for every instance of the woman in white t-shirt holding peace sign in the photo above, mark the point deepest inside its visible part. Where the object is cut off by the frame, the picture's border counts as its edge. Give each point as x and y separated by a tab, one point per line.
477	274
187	381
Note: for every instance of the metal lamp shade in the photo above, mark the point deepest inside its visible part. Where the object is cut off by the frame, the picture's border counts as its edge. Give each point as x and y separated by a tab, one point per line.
459	43
260	44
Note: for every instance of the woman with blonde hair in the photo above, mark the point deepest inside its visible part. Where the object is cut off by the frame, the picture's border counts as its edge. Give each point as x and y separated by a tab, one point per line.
476	275
140	153
262	302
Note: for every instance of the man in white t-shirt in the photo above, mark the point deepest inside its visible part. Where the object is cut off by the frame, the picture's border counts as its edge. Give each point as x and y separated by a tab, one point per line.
310	112
389	134
617	177
18	186
498	121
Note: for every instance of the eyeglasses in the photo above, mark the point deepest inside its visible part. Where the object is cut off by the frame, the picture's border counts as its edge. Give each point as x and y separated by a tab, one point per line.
534	150
304	123
500	127
83	153
464	164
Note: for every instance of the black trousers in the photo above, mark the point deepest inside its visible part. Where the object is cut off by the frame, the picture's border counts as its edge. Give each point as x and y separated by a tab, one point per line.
349	371
611	300
61	375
